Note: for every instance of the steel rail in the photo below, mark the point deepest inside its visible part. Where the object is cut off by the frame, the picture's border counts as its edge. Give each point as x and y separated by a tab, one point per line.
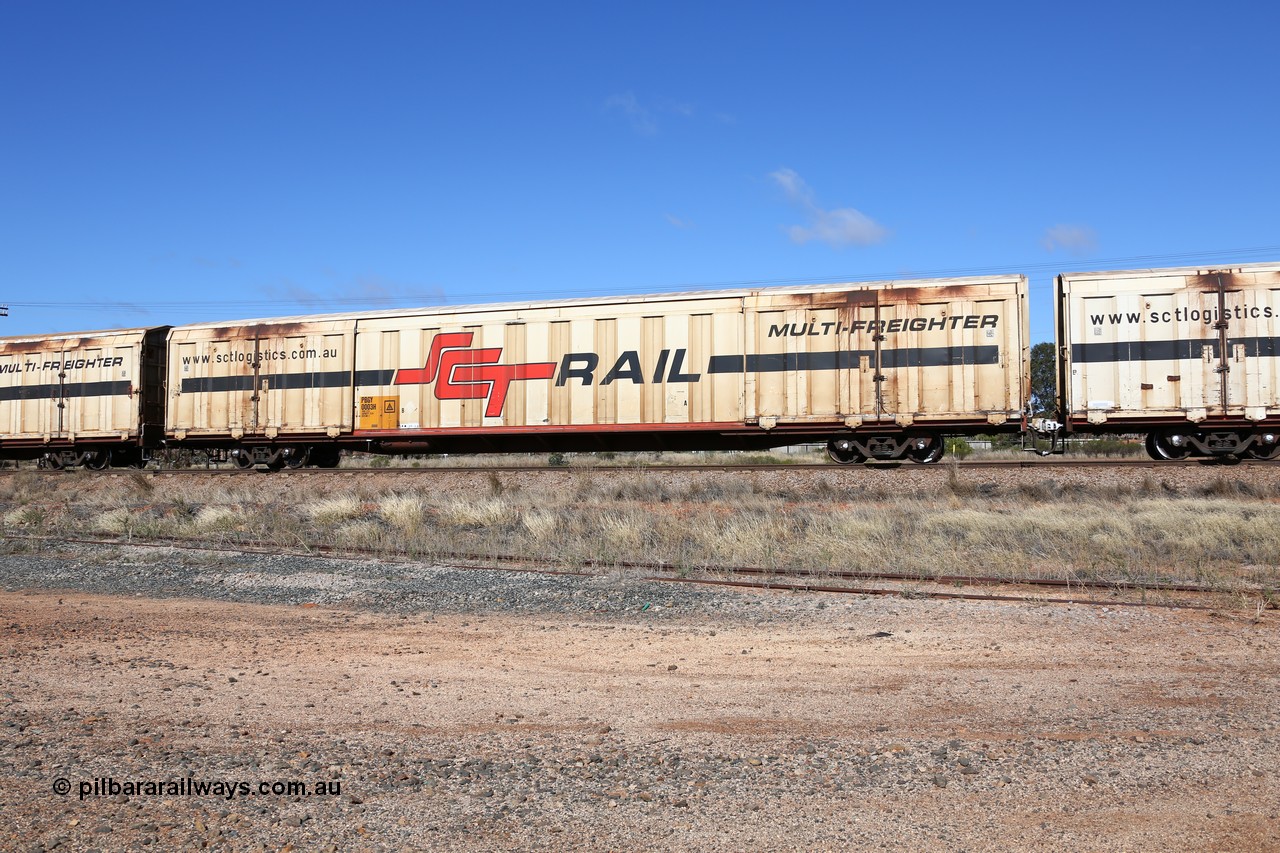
966	596
519	564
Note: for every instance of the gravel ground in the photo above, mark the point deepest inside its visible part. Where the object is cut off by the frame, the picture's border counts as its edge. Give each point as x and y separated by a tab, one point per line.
496	710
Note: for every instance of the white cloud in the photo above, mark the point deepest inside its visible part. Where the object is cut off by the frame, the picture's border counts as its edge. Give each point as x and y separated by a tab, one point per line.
677	221
679	108
640	118
644	117
840	227
1072	239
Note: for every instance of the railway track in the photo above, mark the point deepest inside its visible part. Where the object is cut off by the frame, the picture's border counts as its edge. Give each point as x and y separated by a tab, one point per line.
1046	464
1185	596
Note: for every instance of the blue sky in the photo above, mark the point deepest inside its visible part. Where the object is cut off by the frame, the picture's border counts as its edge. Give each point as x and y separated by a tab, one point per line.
179	162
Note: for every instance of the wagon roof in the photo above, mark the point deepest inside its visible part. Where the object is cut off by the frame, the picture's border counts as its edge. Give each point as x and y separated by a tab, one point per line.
90	334
1201	269
735	293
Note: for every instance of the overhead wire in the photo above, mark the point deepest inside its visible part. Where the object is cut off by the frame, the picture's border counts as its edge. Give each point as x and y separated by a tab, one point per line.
441	297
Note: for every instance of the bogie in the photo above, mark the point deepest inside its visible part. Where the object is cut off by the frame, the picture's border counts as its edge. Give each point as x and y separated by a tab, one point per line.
852	449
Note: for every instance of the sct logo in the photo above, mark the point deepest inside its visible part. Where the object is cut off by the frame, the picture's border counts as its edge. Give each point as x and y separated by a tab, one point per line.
462	373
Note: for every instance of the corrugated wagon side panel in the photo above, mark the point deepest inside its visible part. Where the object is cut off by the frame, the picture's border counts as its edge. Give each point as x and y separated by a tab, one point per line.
305	379
211	382
1170	345
101	385
889	354
566	368
1255	355
261	380
71	388
28	408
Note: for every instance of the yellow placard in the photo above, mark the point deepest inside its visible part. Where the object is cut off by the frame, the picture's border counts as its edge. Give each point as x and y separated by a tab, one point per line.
380	412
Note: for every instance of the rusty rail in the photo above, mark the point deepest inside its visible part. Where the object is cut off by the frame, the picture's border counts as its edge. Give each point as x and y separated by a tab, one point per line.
512	563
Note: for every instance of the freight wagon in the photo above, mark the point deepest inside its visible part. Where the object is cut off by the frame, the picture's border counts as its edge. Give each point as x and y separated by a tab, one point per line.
87	398
877	370
1188	356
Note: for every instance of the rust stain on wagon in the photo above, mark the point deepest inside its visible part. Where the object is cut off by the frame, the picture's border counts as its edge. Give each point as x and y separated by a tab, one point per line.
945	293
259	330
1211	281
20	347
816	301
64	344
888	294
1232	280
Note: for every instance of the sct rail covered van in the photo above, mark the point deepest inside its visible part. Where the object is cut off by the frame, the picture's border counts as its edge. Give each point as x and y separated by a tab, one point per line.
1191	357
879	370
83	398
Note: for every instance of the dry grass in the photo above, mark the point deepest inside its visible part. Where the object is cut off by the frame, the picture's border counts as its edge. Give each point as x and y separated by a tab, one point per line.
542	526
1224	532
477	513
213	519
118	521
403	512
333	510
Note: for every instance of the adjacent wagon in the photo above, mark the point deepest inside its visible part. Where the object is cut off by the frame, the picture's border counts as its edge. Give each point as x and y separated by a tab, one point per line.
83	398
1188	356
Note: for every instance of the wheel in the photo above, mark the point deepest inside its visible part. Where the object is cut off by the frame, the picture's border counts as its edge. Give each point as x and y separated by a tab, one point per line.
243	459
97	460
1160	447
52	461
325	457
843	452
930	453
1268	452
294	457
128	458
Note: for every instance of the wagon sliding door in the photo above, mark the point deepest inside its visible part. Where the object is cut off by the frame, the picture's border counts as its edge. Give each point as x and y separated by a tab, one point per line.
902	355
1243	361
262	381
304	382
1255	355
798	365
98	390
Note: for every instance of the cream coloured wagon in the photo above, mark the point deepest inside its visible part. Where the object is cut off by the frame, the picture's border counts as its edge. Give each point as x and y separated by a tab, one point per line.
876	370
82	398
1189	356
